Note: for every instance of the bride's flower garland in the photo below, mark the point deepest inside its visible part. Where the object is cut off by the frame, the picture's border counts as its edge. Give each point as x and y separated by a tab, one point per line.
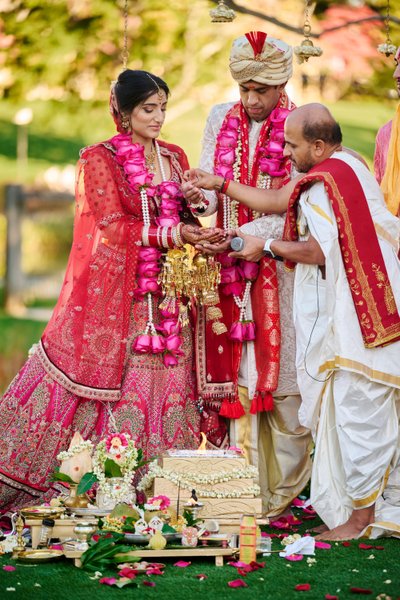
190	480
165	338
237	276
120	448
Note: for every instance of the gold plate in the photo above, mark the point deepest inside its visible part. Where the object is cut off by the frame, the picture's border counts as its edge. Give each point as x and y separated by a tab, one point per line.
41	512
39	555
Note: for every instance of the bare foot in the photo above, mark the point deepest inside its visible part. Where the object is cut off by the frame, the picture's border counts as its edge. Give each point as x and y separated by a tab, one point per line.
351	529
320	529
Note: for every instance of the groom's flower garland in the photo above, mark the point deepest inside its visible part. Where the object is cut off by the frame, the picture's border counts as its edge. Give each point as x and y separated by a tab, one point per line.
190	480
131	157
237	276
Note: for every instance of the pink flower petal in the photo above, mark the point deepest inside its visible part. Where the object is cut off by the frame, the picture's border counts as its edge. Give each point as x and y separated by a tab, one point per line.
330	597
182	563
298	503
346	544
201	576
237	564
357	590
149	583
294	557
237	583
108	580
365	546
322	545
8	568
302	587
154	571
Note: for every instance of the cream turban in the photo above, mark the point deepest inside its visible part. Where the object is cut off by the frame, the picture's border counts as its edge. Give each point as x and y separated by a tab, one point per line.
268	62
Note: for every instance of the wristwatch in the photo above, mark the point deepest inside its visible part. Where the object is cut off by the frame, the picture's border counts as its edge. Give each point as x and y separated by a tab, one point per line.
268	252
267	248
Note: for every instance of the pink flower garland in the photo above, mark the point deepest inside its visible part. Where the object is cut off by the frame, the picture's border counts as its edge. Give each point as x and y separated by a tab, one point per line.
168	340
235	274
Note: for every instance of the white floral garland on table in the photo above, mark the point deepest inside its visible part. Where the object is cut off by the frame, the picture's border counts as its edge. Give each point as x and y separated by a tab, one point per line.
189	479
77	449
127	462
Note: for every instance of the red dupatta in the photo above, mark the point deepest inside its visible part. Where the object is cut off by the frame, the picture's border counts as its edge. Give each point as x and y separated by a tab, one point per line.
84	345
364	264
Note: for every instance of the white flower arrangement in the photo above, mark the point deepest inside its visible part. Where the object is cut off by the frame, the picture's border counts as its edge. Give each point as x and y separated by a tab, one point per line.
77	449
123	454
387	48
190	480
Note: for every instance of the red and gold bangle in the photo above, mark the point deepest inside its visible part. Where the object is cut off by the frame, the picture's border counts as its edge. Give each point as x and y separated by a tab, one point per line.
170	240
179	239
225	184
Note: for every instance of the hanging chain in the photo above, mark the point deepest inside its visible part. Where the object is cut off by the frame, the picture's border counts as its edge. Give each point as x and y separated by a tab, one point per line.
387	23
307	24
125	53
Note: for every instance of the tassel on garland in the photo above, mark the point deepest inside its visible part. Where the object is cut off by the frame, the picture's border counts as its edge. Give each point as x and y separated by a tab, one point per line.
262	402
231	408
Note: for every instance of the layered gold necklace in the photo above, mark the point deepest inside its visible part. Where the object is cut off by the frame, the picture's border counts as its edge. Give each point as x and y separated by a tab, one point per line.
150	160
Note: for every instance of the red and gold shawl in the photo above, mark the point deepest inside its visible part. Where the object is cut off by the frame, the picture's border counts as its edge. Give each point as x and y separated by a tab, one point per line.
364	264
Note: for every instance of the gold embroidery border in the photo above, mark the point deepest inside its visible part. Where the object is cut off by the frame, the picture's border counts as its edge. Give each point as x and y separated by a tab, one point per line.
353	365
71	386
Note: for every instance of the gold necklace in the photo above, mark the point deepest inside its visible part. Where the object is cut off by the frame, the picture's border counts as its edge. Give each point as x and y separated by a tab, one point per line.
150	160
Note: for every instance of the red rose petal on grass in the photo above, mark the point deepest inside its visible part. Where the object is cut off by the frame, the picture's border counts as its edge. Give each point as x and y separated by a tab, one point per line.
128	572
9	568
279	525
365	546
294	557
154	571
201	576
237	583
243	571
379	547
329	597
108	580
357	590
346	544
302	587
149	583
322	545
237	564
182	563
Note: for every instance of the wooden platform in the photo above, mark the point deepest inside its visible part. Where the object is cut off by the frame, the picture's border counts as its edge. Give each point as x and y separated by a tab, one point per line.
185	553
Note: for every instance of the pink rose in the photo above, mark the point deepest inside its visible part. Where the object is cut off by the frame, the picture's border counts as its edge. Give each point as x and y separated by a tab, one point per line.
147	284
169	188
170	204
132	168
229	274
171	221
278	135
148	269
142	343
173	343
170	326
157	344
139	179
225	171
228	138
234	289
274	147
149	254
267	165
170	360
236	332
226	156
233	123
279	115
225	260
249	269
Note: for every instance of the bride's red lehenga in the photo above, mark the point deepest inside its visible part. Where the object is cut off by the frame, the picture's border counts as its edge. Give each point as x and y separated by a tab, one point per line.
83	375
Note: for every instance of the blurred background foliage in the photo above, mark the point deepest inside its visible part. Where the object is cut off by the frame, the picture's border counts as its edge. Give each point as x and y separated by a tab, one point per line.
58	57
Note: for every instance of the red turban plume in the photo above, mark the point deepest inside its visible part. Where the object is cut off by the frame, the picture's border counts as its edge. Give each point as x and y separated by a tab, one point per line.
256	41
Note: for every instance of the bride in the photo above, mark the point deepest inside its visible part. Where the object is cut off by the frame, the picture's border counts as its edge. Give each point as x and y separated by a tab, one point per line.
111	359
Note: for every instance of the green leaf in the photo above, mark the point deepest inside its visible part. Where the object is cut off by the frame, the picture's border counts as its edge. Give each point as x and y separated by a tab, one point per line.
57	476
86	483
111	469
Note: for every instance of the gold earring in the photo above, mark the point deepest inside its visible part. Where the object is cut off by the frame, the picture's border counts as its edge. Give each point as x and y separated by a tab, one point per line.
125	122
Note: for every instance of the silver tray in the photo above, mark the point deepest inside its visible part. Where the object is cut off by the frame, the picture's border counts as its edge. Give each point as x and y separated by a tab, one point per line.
135	538
88	512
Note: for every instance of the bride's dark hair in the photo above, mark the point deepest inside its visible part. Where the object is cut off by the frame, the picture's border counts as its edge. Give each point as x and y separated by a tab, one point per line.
133	87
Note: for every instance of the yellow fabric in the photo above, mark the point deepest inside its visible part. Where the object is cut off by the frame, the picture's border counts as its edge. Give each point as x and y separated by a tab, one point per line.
279	446
390	184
